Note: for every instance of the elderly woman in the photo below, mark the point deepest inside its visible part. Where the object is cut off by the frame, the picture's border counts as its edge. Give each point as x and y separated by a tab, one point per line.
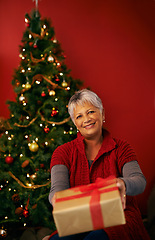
94	153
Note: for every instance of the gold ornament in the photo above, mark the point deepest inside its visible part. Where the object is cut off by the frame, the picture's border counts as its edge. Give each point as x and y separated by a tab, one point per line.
52	93
27	86
64	84
33	147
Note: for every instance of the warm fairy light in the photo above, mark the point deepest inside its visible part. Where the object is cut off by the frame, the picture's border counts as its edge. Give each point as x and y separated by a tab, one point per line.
14	190
26	136
29	69
24	104
6	132
28	175
9	138
68	88
37	82
29	184
20	55
23	57
41	125
9	189
65	132
47	33
44	26
37	139
23	49
53	124
23	70
23	85
46	143
26	20
1	186
6	217
24	224
29	144
21	155
7	181
54	41
30	36
27	117
61	74
21	206
56	99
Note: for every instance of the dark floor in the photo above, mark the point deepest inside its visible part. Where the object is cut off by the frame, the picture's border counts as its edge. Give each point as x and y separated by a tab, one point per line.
39	233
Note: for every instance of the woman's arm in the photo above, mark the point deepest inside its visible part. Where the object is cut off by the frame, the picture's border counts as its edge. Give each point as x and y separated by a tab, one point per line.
134	179
59	180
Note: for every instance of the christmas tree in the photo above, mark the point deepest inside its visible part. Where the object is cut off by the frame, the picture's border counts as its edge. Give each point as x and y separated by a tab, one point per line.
38	123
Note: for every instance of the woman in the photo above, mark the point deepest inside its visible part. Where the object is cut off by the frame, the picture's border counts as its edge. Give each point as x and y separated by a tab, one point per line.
94	153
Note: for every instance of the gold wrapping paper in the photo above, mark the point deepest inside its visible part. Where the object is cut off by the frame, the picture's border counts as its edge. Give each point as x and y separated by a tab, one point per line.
73	215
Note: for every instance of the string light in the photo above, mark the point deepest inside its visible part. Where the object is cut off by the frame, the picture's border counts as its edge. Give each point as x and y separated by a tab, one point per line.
37	82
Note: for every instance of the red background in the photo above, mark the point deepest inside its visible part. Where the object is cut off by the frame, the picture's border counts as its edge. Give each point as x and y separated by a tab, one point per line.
110	45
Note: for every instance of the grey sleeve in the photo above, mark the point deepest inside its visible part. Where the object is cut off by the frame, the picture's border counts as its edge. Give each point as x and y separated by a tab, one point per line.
134	179
59	179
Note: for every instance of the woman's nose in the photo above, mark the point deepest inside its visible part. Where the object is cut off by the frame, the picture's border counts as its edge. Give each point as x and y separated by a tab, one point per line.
86	119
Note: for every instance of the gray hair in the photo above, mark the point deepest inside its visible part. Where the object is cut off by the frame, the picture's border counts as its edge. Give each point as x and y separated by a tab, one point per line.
82	96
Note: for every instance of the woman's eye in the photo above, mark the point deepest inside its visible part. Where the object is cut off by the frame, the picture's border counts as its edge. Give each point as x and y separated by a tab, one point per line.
78	116
91	111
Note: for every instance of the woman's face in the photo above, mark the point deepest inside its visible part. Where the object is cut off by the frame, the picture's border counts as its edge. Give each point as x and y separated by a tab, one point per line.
88	120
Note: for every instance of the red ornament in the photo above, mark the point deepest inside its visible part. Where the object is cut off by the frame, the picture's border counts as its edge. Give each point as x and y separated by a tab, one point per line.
42	165
54	112
43	94
27	24
25	213
46	129
57	79
35	45
9	159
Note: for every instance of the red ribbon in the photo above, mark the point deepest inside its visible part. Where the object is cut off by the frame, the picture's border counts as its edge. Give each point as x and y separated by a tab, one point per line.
94	204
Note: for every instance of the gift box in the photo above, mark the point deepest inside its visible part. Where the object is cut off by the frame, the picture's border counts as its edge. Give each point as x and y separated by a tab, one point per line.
88	207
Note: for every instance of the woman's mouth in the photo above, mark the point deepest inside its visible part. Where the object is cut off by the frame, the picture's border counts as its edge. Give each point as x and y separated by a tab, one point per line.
88	126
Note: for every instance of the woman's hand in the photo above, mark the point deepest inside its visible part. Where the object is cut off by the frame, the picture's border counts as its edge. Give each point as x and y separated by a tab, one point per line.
122	189
53	200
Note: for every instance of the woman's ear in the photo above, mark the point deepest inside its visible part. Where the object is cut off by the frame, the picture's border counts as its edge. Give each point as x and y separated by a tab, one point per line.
103	115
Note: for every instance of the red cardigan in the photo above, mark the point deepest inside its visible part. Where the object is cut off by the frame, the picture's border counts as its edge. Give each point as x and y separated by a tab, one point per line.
110	159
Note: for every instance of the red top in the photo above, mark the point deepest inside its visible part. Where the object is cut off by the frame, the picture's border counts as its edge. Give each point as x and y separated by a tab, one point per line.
113	154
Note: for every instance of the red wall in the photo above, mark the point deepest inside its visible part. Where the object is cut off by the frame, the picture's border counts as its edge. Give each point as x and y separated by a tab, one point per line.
111	46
